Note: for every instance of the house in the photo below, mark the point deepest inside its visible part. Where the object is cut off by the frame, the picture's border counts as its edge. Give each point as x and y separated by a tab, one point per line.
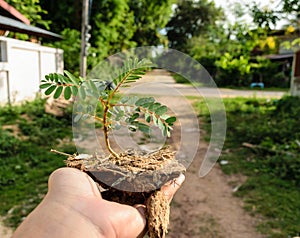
280	43
23	64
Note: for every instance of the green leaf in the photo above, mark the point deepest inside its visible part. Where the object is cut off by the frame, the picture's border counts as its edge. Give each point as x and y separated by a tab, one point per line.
62	79
143	101
162	127
58	92
82	93
134	116
93	88
144	128
124	99
45	85
170	120
74	90
67	93
155	120
132	128
154	106
77	118
119	115
55	77
117	126
132	100
85	116
50	90
73	79
161	110
164	116
147	117
168	132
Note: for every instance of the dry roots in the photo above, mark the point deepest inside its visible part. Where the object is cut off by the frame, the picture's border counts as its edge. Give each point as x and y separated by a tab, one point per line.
138	172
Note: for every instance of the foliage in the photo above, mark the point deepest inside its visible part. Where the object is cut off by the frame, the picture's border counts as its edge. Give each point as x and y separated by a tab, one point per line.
150	18
32	10
235	68
71	37
112	27
113	115
116	25
190	19
27	134
264	17
62	14
271	159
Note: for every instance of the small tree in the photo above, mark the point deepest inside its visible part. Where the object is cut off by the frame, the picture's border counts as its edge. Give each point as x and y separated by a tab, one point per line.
138	176
144	110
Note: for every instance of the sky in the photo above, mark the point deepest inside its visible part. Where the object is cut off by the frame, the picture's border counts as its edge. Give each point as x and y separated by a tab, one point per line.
271	4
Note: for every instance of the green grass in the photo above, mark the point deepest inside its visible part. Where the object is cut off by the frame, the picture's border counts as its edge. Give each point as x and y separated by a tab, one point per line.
27	134
272	163
271	89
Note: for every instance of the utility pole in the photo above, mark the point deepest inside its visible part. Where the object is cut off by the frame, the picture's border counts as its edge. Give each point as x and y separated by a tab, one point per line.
85	36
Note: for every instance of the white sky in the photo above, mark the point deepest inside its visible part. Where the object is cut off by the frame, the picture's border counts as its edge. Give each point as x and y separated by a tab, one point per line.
269	4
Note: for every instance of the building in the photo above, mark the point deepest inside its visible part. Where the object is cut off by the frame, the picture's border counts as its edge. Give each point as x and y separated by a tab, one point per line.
23	64
295	82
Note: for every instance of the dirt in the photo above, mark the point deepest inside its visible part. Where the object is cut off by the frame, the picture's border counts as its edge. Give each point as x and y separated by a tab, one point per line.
5	232
206	207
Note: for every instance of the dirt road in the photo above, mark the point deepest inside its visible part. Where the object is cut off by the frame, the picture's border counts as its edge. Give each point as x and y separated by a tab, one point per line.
204	207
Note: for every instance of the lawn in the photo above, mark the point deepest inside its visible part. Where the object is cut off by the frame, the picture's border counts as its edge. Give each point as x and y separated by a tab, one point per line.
27	134
263	143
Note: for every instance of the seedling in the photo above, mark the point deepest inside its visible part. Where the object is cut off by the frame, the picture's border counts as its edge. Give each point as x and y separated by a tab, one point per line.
134	112
143	174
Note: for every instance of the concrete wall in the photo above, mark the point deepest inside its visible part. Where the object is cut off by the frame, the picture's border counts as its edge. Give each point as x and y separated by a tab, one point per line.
295	82
22	66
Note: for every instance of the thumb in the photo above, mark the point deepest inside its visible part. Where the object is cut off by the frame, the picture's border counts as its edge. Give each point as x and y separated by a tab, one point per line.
70	182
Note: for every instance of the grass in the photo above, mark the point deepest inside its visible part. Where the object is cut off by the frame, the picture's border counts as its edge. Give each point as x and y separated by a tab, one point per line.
268	89
27	134
271	162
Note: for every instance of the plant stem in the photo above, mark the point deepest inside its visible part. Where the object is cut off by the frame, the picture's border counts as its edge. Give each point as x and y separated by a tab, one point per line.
105	131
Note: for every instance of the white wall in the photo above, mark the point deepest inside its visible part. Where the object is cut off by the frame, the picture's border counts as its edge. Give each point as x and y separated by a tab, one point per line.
26	65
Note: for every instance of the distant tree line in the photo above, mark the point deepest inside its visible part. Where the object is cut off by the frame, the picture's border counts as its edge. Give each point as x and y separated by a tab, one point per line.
198	28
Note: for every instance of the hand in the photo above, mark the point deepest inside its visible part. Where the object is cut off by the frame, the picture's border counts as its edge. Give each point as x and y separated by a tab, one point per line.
73	207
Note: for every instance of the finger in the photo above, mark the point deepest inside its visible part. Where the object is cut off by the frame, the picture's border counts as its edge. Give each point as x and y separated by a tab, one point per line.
171	187
71	182
135	222
127	221
142	210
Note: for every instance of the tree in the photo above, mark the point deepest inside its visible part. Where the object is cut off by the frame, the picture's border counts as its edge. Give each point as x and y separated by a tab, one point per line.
191	19
150	17
71	37
113	27
32	10
264	17
62	14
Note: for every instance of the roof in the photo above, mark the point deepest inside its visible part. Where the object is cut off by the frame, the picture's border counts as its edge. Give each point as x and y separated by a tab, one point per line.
280	56
17	26
9	11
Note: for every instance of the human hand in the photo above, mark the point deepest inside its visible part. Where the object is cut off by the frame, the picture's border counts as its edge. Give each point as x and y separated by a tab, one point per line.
73	207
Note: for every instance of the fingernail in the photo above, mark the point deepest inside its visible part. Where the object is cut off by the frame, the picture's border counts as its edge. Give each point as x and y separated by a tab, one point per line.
180	179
